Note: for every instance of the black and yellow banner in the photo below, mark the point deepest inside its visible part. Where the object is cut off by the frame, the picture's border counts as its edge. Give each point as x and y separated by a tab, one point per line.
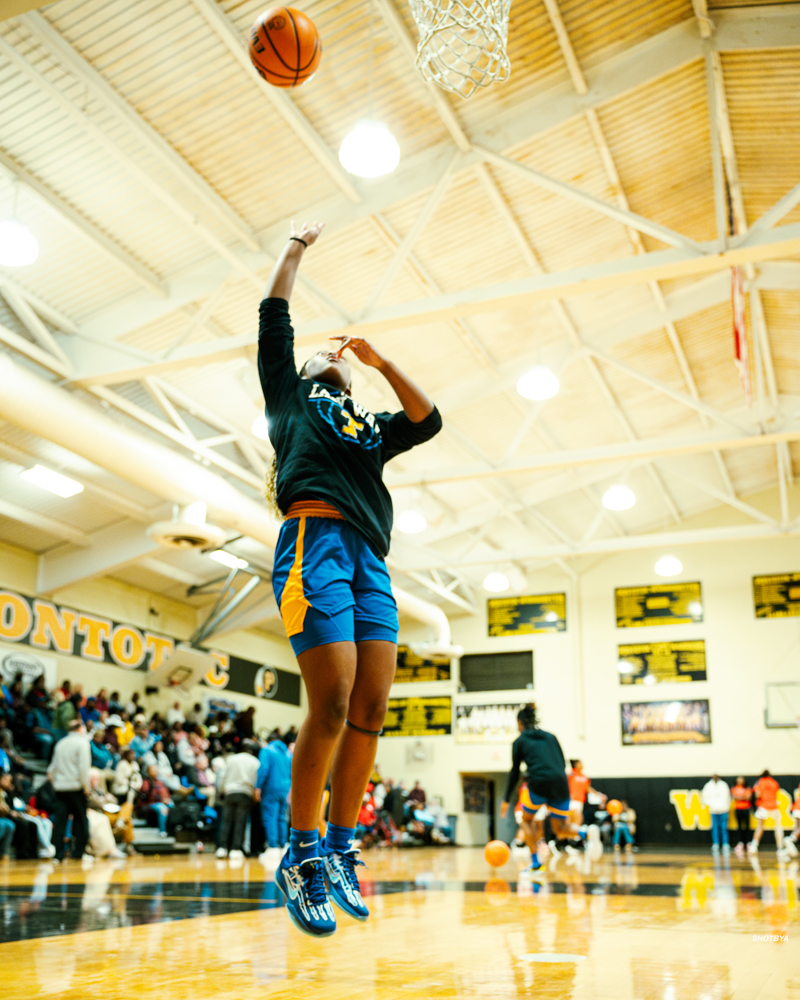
419	717
777	596
659	604
662	662
35	622
411	668
527	614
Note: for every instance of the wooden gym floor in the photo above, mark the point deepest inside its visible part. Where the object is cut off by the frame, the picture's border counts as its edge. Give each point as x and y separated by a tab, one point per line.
660	926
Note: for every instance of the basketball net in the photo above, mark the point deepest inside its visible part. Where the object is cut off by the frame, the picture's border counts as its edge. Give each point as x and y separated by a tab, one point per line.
462	43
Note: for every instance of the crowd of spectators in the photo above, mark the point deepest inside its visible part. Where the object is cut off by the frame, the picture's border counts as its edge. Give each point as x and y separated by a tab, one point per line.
110	762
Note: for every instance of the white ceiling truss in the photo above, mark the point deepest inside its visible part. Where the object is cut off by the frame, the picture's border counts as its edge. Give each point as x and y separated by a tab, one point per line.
171	352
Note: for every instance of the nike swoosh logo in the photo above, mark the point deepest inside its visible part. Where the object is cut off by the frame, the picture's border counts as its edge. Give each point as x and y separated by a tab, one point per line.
311	843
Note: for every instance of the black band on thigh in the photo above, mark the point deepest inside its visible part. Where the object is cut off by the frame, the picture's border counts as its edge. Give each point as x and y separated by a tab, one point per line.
367	732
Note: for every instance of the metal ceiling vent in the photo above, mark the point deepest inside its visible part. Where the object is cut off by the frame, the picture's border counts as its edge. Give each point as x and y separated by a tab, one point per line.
188	529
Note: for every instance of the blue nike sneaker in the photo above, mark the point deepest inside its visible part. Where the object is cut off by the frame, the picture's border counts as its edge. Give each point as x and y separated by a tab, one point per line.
340	874
303	884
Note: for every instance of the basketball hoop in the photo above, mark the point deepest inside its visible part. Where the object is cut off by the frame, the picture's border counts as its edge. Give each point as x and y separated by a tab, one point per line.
462	43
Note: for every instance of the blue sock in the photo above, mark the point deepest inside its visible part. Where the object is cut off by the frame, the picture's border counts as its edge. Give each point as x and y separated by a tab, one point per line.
303	844
339	838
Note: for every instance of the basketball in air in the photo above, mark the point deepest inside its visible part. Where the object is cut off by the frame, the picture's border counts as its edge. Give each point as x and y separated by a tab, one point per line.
285	46
496	853
613	807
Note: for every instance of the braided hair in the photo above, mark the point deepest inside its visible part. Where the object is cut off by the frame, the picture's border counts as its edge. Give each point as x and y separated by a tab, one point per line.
527	717
271	489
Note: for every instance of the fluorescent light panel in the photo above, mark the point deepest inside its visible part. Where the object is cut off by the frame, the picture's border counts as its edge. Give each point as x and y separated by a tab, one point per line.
226	559
51	481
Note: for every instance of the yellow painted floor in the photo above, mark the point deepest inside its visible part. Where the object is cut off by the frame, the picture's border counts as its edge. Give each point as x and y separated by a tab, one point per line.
661	926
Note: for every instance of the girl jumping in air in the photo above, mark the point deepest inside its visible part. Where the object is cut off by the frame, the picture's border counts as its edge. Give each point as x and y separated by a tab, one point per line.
331	583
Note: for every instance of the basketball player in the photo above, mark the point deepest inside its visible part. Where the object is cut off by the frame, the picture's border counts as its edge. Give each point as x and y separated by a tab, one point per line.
331	583
546	782
765	792
579	787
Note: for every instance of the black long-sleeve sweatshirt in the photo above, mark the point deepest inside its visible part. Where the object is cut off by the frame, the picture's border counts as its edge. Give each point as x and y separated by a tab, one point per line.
542	755
329	447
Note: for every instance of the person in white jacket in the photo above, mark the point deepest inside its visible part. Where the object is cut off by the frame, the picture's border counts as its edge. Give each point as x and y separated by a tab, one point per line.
717	796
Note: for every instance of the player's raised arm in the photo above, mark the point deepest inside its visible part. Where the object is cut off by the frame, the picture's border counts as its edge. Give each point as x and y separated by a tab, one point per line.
416	404
281	281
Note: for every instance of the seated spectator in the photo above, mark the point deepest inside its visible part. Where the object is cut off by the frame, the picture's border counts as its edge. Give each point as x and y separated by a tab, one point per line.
115	705
143	739
38	729
243	724
175	714
89	712
195	717
101	701
7	827
417	795
290	736
31	826
127	778
185	754
102	756
624	826
66	690
64	712
133	706
108	821
124	730
157	757
113	722
154	799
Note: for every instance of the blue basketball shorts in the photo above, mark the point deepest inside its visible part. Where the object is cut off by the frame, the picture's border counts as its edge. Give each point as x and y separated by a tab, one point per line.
554	793
330	586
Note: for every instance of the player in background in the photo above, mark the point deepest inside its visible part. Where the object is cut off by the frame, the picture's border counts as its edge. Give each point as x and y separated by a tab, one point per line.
546	782
331	582
579	788
742	798
790	842
765	792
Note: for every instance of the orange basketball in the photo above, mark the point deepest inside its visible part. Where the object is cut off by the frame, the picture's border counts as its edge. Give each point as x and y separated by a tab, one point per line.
285	46
613	807
496	853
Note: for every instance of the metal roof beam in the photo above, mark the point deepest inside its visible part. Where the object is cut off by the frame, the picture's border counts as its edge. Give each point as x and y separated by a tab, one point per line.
283	104
87	230
57	529
101	90
627	451
565	44
659	540
35	353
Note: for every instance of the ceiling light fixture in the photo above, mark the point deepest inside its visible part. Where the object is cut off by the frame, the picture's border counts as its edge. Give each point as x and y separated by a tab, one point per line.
495	583
619	497
51	481
260	428
226	559
369	149
18	245
668	566
539	383
411	522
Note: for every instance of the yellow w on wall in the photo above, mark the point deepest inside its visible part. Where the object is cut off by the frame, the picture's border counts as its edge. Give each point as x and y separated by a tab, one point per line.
692	814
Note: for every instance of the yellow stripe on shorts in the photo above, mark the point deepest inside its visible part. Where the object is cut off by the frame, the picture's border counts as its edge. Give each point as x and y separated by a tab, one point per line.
293	599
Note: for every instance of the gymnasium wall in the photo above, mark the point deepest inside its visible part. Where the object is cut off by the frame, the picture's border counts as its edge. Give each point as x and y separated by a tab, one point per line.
134	606
577	689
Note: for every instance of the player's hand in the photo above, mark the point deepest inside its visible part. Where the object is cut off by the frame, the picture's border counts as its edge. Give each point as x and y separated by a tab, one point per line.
363	350
308	232
503	810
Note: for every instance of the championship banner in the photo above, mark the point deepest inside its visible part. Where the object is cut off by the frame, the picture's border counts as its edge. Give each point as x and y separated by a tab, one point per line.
777	596
665	722
487	723
43	626
662	662
419	717
658	604
412	668
526	615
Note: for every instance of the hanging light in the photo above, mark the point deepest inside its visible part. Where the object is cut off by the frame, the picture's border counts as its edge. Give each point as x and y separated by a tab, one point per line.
668	566
369	150
618	497
53	482
18	245
496	583
227	559
539	383
260	428
411	522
